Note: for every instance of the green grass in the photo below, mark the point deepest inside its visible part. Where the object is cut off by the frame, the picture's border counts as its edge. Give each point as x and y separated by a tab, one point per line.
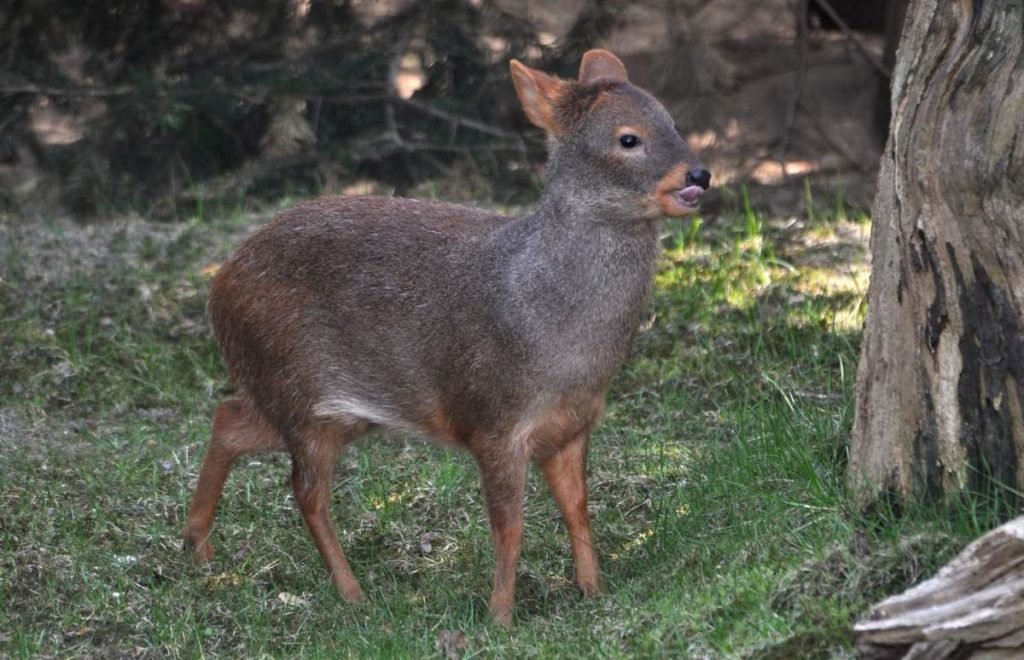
716	477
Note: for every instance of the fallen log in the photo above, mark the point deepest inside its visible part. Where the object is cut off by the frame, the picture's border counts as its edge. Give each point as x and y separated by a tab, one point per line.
972	608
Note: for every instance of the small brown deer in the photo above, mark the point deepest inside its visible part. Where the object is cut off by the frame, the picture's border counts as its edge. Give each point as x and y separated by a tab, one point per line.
498	335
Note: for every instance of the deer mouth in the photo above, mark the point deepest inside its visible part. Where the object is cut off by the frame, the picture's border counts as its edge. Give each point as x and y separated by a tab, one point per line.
680	201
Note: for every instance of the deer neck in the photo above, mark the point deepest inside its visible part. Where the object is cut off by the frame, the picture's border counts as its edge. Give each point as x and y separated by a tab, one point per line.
575	284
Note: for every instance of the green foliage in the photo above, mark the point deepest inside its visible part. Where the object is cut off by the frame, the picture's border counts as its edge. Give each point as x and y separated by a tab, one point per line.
716	477
241	97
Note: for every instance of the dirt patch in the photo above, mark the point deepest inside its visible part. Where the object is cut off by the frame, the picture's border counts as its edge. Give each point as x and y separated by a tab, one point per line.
35	435
45	254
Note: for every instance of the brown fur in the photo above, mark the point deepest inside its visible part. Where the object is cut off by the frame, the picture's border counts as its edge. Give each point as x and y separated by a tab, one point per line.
673	180
542	96
497	335
599	64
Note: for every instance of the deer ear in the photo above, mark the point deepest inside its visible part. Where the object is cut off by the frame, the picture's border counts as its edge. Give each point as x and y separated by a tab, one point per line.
601	64
540	95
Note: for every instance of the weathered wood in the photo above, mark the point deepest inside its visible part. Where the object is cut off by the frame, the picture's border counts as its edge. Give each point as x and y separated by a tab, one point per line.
972	608
940	384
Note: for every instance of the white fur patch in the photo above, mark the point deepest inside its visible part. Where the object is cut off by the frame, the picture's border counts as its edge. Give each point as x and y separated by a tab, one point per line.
519	441
354	407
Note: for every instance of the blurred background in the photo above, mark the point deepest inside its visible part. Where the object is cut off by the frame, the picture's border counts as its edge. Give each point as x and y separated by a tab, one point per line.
161	106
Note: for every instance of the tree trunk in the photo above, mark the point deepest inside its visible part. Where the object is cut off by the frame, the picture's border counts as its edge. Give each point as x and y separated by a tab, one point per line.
940	386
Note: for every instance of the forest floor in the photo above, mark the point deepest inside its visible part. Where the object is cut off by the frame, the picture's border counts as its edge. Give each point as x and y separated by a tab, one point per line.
716	475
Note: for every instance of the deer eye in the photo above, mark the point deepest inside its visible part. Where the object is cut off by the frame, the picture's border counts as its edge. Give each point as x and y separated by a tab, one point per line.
629	141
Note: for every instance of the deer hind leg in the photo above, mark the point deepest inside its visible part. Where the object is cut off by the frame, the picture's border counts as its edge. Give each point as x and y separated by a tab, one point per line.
313	458
504	480
565	473
237	430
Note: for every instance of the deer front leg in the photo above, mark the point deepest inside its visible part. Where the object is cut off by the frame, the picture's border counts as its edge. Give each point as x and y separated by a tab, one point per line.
504	479
565	473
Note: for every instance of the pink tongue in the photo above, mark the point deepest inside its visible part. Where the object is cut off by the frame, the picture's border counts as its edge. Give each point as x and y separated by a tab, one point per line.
690	194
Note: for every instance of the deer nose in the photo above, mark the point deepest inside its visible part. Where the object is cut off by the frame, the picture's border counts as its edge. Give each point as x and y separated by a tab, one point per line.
698	177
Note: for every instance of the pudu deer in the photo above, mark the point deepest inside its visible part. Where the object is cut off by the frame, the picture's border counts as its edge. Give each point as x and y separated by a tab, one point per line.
494	334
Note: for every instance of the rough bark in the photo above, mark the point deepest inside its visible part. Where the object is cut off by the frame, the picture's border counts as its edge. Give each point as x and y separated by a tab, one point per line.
973	607
940	386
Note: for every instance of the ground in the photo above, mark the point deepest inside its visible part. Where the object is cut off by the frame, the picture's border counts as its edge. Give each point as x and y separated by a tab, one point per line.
716	474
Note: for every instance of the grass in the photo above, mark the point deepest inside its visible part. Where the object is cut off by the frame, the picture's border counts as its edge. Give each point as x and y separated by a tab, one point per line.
716	476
